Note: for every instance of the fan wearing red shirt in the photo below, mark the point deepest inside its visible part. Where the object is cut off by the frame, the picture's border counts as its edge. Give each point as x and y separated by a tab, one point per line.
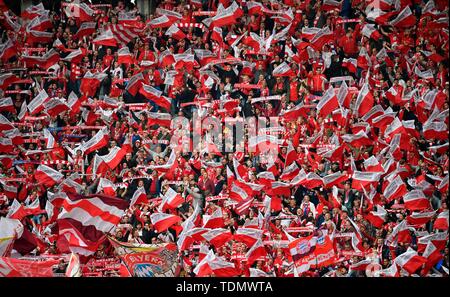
316	81
146	54
206	184
107	59
348	43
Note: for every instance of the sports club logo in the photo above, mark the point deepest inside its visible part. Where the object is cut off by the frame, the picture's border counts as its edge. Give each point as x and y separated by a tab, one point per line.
151	264
303	247
147	270
321	239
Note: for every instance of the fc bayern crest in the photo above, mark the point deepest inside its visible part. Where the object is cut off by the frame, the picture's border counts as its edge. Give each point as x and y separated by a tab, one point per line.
303	247
146	270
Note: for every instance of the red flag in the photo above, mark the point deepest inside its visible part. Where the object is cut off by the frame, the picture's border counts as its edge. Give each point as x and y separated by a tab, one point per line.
16	211
404	19
81	11
296	112
107	38
6	104
370	32
124	56
357	140
34	37
85	29
322	37
433	255
263	143
439	240
283	70
255	7
416	200
106	186
328	5
47	176
218	236
174	32
395	189
160	22
351	64
100	211
135	83
365	179
33	11
364	101
327	103
99	140
226	16
7	50
160	119
171	200
240	191
243	207
212	265
334	179
48	59
76	56
6	79
216	35
378	217
124	34
139	197
302	252
74	267
40	23
163	221
420	218
289	172
37	104
279	188
114	157
410	261
156	96
435	130
128	19
55	106
77	239
441	222
215	220
91	82
249	236
257	251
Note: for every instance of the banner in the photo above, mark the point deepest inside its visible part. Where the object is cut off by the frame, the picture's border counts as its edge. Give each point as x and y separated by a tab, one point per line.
347	21
148	260
204	13
266	98
246	86
11	267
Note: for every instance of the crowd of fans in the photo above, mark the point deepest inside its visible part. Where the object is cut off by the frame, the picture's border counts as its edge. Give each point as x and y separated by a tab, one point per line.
412	60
